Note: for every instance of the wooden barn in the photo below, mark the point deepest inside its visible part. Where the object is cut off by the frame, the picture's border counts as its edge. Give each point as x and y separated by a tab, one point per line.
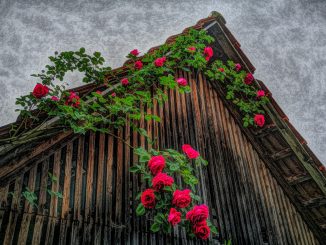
264	186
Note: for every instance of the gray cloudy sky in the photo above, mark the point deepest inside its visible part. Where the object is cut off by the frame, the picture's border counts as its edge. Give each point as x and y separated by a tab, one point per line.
284	39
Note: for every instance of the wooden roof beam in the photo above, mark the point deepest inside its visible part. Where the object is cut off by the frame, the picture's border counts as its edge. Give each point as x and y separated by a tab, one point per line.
268	129
297	179
282	154
315	202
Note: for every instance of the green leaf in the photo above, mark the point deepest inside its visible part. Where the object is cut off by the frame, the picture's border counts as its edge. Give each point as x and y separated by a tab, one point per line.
135	169
52	177
55	193
140	209
144	158
155	227
174	167
138	196
97	54
195	197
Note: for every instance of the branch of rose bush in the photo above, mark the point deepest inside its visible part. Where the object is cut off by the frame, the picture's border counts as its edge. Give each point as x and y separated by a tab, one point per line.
171	205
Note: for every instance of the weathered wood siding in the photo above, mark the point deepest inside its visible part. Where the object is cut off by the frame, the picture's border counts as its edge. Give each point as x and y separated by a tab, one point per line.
246	201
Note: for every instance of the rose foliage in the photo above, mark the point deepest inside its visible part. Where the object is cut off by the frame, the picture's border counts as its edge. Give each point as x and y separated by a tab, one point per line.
171	204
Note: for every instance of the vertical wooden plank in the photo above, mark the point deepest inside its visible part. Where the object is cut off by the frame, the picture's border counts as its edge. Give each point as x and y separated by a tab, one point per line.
99	190
14	210
127	187
3	202
77	217
28	209
135	190
41	212
87	235
108	191
118	187
65	212
53	212
199	142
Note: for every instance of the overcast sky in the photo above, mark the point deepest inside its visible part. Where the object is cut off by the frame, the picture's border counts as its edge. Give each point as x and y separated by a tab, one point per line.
284	39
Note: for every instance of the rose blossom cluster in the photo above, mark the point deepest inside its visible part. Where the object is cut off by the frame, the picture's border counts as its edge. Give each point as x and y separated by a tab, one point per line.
259	119
198	218
181	199
41	91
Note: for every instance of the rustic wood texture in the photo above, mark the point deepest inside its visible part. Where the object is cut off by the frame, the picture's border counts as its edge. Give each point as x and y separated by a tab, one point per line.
247	203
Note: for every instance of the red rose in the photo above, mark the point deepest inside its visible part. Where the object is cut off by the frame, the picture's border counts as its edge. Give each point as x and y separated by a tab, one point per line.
192	49
54	98
208	52
260	93
160	61
248	79
201	230
221	69
40	91
134	52
124	81
259	120
138	64
198	214
237	67
156	164
98	92
190	152
113	94
182	81
73	100
174	217
181	199
161	180
147	198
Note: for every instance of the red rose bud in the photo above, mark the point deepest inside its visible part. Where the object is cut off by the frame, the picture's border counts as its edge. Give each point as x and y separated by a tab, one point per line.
208	52
237	67
190	152
248	79
192	49
182	81
260	93
221	69
147	198
259	120
124	81
159	61
174	217
134	52
40	91
198	214
322	168
156	164
201	230
113	94
181	199
161	180
54	98
99	92
138	65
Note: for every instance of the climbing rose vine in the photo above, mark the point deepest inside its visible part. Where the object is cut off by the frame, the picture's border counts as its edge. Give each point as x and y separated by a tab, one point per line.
169	203
143	80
